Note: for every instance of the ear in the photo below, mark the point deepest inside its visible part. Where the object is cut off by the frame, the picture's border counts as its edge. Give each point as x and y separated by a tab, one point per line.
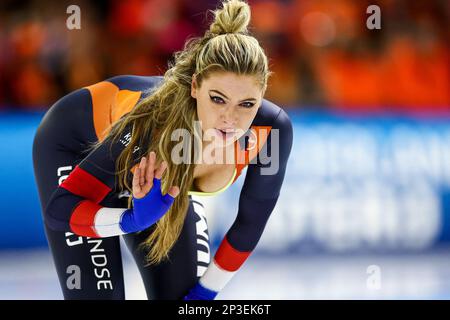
194	87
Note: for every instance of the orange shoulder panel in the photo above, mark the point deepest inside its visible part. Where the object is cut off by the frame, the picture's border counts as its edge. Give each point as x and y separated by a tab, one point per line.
109	103
257	139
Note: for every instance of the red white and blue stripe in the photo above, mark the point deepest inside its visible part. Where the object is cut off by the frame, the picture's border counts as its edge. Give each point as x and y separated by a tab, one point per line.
89	218
226	263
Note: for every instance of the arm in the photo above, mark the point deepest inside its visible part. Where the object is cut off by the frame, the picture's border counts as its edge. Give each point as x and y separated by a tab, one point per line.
257	200
76	203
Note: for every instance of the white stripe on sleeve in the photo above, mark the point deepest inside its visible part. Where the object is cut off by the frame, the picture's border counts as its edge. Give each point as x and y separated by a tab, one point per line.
107	222
215	278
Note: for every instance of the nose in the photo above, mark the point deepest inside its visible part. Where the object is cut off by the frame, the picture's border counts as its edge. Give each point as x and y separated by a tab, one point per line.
229	117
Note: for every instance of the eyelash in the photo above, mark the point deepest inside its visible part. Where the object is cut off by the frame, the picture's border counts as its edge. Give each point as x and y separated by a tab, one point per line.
247	107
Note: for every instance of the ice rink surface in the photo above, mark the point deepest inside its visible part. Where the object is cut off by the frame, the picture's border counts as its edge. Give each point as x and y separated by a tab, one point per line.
30	274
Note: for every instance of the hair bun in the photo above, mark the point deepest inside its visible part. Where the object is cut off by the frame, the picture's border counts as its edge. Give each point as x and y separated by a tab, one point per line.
233	17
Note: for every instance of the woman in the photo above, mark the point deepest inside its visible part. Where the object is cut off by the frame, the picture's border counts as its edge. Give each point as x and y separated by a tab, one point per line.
106	165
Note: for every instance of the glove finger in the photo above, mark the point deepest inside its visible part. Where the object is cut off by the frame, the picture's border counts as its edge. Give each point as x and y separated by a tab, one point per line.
168	199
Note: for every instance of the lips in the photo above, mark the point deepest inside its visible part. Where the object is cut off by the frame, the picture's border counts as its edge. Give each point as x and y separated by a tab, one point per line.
226	133
226	130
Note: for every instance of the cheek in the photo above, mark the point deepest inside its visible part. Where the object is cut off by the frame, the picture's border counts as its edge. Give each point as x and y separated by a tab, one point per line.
206	114
246	118
201	109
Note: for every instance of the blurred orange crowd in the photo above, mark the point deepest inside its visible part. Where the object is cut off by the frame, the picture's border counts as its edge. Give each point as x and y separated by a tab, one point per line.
321	52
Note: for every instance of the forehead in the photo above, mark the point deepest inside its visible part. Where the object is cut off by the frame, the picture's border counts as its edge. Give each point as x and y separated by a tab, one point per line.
233	84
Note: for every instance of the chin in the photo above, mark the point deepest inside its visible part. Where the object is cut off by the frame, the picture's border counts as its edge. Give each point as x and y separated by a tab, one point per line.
221	144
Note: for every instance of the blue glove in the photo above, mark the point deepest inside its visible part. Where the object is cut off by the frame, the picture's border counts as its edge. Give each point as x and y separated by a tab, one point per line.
147	210
199	292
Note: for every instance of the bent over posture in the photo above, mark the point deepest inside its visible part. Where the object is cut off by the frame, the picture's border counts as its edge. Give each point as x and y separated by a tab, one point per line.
105	166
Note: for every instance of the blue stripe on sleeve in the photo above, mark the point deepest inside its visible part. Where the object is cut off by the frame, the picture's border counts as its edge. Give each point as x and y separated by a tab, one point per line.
199	292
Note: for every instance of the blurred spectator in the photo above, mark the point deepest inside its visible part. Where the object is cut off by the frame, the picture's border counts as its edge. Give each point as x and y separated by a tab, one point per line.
321	52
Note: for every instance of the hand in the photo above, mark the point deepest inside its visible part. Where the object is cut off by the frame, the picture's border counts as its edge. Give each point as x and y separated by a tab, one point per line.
144	174
149	204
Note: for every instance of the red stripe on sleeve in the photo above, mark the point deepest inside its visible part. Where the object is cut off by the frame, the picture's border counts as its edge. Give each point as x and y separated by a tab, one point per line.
228	258
83	218
85	185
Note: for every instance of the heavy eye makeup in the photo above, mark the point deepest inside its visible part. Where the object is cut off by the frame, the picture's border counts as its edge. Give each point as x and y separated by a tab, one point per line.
219	100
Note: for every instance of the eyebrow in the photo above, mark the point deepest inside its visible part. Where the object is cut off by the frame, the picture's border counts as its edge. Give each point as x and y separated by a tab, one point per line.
217	91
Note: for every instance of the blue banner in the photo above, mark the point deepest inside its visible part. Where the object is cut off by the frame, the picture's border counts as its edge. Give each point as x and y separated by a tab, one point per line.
353	183
357	183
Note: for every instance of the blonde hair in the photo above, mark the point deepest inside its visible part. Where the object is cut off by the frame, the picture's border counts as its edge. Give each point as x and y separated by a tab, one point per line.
226	46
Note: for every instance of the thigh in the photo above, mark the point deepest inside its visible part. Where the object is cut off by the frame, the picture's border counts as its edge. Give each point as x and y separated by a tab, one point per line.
87	268
188	258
